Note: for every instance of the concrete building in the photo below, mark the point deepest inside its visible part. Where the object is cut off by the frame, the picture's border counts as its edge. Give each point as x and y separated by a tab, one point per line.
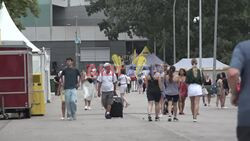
64	26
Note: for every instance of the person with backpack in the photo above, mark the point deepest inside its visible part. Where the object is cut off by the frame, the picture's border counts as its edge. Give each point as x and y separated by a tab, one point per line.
106	88
123	82
153	83
194	80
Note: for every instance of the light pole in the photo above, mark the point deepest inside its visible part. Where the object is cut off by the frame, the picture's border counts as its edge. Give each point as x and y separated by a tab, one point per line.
215	40
76	44
200	34
188	31
174	42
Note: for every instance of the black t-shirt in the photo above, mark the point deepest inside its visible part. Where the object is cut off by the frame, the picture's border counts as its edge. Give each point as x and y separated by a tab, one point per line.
225	84
70	78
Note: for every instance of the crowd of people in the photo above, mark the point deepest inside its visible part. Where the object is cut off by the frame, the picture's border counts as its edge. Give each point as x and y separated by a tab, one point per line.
165	89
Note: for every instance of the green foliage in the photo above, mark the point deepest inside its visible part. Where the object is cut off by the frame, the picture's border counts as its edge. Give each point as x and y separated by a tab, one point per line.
20	8
149	18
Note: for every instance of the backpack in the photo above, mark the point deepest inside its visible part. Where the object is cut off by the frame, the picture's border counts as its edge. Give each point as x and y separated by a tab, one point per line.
140	81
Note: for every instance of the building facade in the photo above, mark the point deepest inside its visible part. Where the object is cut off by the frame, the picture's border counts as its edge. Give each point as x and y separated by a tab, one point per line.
64	28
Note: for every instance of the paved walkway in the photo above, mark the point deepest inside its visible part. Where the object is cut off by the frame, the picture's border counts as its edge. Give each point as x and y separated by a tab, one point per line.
213	125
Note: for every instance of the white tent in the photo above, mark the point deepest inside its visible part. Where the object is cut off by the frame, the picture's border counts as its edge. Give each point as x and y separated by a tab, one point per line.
207	64
9	31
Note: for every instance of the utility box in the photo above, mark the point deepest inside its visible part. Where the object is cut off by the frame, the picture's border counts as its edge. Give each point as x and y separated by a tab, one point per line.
38	101
15	79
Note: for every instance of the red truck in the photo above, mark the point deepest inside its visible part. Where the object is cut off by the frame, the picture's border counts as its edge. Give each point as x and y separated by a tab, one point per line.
15	80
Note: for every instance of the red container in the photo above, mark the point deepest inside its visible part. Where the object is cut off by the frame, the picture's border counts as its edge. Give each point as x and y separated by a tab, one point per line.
15	80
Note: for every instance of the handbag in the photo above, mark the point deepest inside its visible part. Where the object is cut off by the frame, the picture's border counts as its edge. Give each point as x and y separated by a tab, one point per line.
204	91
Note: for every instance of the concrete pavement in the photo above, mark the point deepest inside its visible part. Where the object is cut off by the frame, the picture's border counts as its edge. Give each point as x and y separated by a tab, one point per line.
213	125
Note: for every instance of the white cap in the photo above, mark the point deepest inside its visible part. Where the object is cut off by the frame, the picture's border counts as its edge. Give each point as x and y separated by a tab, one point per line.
106	64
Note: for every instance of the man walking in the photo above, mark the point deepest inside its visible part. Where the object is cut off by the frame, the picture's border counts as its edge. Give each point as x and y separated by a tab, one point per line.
240	67
71	81
107	85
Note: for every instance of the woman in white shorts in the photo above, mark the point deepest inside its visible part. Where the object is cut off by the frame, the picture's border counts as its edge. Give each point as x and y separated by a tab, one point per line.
194	80
123	86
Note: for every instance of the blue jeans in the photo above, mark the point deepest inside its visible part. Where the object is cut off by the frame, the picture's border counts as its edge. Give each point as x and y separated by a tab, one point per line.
70	101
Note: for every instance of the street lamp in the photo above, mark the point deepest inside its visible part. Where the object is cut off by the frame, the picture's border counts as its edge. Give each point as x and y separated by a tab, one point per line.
174	42
188	32
200	34
215	40
77	41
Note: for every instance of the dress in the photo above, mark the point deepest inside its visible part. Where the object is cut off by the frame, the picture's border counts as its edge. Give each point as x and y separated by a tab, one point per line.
153	90
88	87
183	89
123	83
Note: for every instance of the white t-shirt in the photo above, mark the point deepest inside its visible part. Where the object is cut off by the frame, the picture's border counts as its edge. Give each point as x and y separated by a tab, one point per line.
123	79
107	81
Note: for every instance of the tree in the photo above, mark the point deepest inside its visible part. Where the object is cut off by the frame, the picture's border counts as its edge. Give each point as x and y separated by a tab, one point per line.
20	8
149	18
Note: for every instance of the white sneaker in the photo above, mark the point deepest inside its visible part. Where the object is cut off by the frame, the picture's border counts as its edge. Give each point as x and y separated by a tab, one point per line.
86	108
69	119
89	108
195	120
160	115
224	107
62	118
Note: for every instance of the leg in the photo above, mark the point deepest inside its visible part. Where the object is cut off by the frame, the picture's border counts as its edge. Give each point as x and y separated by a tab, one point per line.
175	109
124	99
192	105
180	105
170	104
196	106
63	109
150	109
183	103
223	99
89	103
67	103
157	109
209	99
217	100
86	104
73	103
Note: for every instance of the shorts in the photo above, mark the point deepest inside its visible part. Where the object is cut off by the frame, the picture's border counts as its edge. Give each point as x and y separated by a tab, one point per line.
173	98
62	95
194	90
243	133
123	89
154	96
107	98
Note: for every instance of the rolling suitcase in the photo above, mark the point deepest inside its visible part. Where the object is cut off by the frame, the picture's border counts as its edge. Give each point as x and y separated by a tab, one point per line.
117	107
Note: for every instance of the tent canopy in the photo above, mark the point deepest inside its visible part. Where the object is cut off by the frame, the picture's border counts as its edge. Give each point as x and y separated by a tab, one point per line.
152	59
9	31
207	64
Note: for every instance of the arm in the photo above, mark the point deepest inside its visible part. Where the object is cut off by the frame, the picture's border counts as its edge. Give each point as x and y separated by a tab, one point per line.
159	83
146	81
99	89
233	79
